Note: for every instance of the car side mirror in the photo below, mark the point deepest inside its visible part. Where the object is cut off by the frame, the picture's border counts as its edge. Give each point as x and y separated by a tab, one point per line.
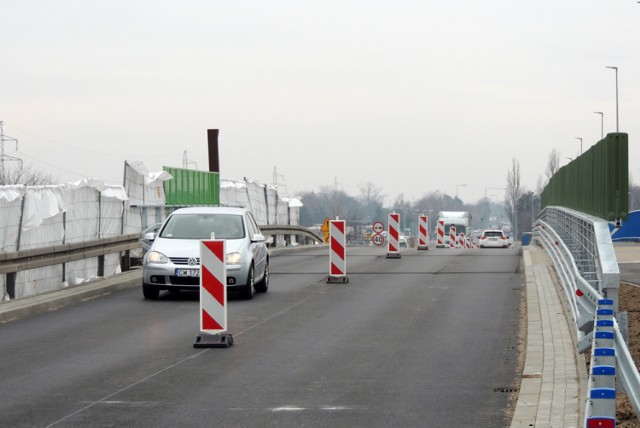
150	236
258	237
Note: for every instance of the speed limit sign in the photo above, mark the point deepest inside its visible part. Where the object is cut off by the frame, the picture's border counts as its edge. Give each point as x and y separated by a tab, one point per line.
378	239
378	227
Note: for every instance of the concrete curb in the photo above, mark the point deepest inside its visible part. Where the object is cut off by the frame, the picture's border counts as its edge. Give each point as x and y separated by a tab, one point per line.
32	305
551	391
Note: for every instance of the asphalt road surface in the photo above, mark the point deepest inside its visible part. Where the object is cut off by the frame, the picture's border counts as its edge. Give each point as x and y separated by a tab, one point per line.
427	340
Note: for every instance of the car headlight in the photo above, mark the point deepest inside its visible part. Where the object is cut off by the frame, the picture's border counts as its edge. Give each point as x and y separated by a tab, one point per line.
234	259
156	257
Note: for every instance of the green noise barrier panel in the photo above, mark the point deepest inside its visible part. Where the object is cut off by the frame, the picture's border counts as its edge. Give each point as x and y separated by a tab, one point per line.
596	183
191	188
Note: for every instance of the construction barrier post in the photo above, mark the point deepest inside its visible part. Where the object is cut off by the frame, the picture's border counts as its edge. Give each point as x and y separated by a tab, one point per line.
452	237
440	233
461	240
423	232
213	296
337	252
393	236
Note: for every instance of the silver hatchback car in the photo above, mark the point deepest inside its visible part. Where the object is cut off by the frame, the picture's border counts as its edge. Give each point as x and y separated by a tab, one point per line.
173	261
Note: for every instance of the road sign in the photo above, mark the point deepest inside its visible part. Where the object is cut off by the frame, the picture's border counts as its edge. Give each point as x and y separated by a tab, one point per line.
325	230
378	227
378	239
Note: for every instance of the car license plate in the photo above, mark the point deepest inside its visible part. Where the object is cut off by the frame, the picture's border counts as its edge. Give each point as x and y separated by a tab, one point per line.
188	272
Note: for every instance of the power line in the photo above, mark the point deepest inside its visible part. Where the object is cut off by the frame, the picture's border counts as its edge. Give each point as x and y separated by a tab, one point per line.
52	166
88	150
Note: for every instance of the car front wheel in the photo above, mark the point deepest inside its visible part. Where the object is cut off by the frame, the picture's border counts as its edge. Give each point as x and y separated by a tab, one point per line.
263	285
250	289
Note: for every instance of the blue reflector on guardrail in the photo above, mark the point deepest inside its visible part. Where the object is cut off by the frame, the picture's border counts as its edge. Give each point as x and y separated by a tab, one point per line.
602	302
605	335
604	323
603	394
604	352
603	371
605	312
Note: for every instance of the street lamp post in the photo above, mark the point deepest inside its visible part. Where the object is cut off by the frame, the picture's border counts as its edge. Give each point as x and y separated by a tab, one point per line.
601	123
617	121
579	138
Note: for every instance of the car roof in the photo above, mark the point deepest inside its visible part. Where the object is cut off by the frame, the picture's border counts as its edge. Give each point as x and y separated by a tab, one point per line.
210	210
493	230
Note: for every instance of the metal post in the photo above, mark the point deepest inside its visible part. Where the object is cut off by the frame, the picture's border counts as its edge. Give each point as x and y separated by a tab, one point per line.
617	117
214	158
11	285
601	123
101	266
64	235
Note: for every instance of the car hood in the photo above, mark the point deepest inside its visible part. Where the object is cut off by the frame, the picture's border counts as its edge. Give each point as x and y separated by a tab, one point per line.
189	247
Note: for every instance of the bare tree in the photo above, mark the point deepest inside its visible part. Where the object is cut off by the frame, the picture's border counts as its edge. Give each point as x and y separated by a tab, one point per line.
539	186
553	164
513	193
24	174
370	194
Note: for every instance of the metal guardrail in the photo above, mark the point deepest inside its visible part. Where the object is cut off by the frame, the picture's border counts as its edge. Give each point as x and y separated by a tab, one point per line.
582	252
291	230
16	261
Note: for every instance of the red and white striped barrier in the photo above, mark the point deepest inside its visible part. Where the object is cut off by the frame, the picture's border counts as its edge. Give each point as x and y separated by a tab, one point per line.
393	235
213	296
452	237
461	239
440	233
423	232
337	252
469	242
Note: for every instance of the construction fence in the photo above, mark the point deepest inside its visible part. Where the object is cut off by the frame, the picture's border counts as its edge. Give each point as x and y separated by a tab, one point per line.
43	216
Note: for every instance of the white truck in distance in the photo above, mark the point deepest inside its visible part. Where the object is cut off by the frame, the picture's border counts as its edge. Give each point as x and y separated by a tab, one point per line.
460	219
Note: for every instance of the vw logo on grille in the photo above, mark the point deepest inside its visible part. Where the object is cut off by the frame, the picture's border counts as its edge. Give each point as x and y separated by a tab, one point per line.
192	261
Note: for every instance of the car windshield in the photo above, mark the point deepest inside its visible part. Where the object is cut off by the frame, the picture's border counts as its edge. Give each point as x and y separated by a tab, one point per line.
201	226
459	228
493	233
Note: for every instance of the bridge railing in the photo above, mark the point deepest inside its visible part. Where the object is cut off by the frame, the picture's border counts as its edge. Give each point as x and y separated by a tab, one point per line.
582	252
12	263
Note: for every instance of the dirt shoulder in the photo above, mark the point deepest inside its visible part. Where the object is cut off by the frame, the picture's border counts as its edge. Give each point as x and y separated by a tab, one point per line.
629	300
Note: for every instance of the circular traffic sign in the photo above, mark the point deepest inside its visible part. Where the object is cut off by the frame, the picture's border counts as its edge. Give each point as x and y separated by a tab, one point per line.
378	227
378	239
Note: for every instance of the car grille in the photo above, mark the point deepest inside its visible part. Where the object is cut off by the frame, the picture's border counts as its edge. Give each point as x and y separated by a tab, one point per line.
184	261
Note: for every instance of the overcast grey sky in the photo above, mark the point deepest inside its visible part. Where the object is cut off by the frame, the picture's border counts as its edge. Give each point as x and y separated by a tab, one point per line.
415	96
